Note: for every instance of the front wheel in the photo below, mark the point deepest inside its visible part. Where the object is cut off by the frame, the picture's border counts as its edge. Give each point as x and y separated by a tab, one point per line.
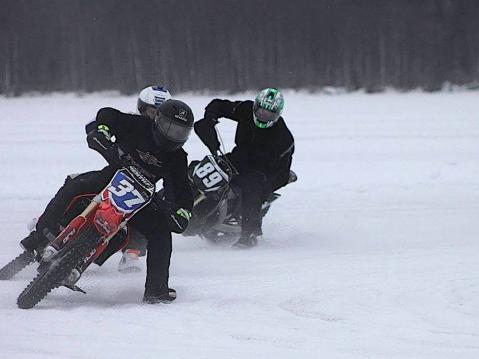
70	257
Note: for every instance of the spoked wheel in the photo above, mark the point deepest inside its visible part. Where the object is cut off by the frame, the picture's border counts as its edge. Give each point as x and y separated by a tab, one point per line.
61	267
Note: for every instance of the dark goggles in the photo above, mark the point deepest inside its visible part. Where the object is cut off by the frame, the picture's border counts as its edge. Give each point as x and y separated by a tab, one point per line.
172	130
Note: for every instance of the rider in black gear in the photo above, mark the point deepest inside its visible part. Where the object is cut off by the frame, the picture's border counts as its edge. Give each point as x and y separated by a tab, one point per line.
157	146
262	156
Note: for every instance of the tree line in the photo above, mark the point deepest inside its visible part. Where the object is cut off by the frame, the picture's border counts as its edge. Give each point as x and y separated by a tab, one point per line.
236	45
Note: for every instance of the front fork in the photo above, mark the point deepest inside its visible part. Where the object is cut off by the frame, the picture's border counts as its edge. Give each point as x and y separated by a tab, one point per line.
69	232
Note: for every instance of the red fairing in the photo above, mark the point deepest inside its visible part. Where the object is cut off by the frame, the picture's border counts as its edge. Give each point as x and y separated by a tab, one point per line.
107	218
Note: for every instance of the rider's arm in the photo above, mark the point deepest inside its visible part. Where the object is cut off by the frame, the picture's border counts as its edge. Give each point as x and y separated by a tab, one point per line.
177	186
205	128
100	140
178	202
109	128
119	124
221	108
278	171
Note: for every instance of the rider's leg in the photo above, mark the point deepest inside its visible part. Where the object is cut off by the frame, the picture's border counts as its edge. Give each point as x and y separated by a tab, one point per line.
48	223
254	190
136	248
154	227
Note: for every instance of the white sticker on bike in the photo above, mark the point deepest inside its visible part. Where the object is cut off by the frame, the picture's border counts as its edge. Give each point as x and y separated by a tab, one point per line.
208	170
212	179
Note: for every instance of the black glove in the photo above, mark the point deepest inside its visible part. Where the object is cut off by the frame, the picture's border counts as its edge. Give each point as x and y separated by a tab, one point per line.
176	217
213	110
100	140
178	220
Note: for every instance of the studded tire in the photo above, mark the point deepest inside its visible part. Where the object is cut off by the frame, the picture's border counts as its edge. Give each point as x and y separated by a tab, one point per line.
61	267
16	265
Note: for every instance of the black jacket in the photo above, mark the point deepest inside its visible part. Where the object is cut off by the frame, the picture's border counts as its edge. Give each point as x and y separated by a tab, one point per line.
133	134
268	150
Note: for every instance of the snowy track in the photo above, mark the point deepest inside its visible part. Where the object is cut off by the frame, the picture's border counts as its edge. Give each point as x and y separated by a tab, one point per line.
373	253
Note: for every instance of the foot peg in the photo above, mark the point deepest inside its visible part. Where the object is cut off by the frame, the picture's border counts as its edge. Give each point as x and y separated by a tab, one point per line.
74	288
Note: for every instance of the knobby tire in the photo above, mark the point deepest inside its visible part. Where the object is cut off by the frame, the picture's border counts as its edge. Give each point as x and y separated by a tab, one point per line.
16	265
59	270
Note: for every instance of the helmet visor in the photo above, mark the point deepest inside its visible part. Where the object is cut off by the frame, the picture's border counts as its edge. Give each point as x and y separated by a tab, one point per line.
263	117
172	130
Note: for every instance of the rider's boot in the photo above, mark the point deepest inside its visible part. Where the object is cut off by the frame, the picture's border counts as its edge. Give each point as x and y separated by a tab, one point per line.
130	262
165	295
33	242
36	242
247	240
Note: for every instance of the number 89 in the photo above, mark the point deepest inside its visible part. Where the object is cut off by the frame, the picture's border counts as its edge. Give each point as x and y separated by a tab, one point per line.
213	177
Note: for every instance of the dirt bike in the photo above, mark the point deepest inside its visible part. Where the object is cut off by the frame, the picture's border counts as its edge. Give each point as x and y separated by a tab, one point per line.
76	206
217	202
87	235
24	259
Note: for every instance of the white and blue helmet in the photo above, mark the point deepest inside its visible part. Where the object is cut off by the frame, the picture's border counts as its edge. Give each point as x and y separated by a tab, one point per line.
150	98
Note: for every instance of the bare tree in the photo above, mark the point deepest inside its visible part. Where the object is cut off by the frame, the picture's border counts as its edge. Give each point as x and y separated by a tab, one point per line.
88	45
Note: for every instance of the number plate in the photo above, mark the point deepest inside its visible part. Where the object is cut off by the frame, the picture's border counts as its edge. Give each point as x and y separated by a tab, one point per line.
126	194
208	175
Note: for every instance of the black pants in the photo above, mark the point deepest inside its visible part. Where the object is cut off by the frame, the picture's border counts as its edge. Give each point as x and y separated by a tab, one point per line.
88	182
149	222
255	189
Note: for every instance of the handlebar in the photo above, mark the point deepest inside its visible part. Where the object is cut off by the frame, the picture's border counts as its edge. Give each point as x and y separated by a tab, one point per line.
226	159
126	160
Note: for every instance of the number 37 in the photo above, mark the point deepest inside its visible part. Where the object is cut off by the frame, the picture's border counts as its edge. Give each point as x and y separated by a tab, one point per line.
125	187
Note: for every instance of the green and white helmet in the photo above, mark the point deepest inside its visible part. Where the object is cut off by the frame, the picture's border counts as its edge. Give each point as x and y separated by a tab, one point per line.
267	107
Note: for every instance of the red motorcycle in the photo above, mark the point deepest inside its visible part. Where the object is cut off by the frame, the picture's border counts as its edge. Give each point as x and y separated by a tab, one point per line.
87	235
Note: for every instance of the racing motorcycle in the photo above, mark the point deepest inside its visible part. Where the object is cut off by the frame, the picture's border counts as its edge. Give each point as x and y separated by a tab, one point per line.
87	236
217	202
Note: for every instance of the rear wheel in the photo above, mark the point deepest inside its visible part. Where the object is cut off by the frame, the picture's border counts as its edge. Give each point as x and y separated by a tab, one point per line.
70	257
16	265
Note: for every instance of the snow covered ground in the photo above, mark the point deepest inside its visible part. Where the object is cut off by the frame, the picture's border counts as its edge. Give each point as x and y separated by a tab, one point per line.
373	253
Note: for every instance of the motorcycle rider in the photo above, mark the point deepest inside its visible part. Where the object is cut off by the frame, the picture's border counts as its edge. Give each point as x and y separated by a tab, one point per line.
156	144
262	155
149	99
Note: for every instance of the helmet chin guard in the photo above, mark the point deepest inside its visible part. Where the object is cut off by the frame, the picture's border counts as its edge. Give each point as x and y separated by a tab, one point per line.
267	108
